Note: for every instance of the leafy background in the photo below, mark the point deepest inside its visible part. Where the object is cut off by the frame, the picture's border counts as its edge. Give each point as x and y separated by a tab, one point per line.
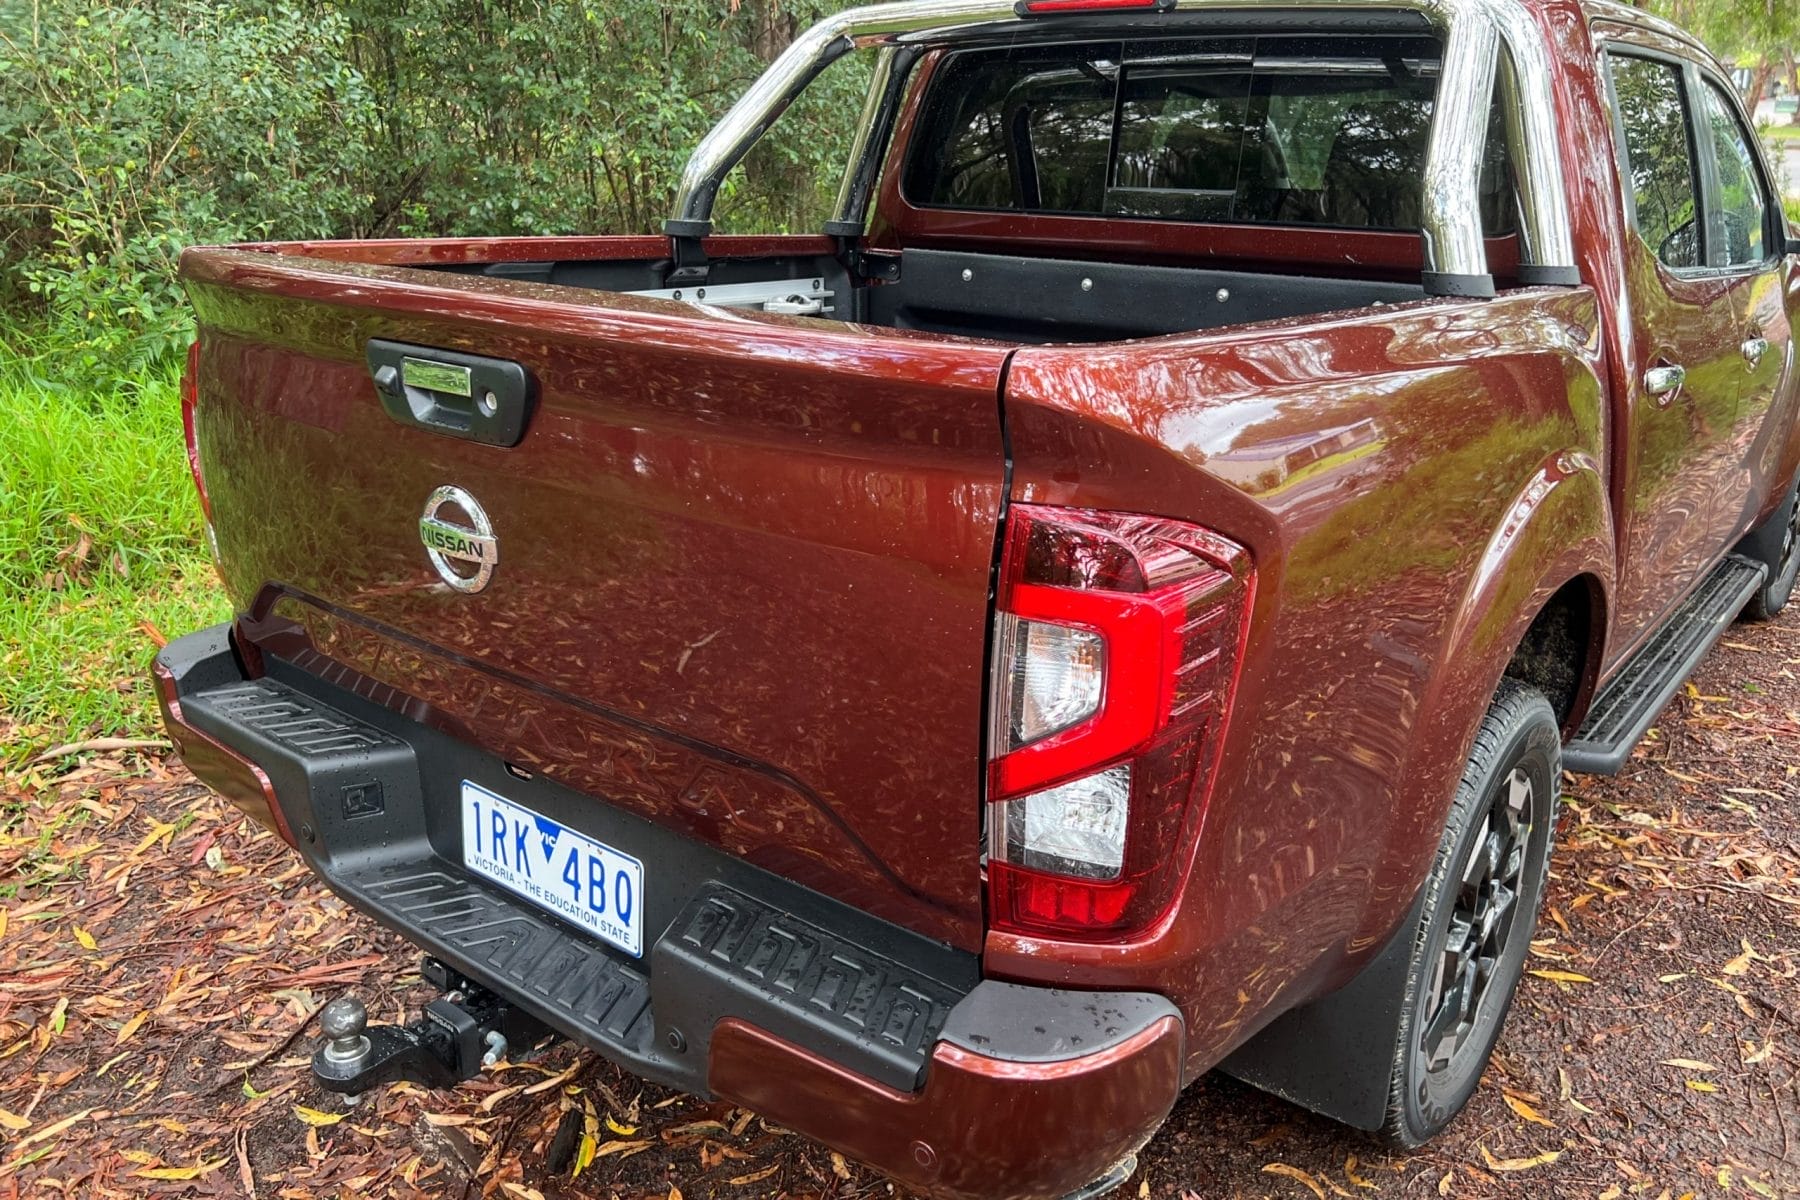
131	129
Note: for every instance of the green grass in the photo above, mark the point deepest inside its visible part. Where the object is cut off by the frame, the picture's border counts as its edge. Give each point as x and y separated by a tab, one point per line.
1780	133
100	542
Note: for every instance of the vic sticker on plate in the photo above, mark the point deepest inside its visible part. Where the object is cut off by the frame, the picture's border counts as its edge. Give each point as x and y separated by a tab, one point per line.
585	882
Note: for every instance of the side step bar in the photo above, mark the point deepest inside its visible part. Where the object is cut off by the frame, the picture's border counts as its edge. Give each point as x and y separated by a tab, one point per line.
1625	708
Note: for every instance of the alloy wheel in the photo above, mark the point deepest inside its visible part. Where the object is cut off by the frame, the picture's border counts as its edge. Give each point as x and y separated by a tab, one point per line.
1481	923
1790	542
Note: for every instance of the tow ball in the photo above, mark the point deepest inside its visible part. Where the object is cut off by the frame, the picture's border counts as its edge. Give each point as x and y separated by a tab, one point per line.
459	1034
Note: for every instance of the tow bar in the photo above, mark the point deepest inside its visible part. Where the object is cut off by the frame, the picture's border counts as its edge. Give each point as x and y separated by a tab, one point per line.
460	1033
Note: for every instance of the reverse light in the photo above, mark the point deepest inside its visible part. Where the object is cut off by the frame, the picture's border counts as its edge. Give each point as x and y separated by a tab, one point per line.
190	397
1116	653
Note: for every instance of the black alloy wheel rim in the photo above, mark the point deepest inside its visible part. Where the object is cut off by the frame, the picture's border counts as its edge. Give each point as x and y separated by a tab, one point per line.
1482	921
1790	543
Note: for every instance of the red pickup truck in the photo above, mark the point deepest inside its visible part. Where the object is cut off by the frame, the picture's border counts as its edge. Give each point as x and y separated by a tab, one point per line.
1117	602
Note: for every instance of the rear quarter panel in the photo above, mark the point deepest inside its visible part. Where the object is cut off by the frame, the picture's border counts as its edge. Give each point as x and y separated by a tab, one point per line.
1412	484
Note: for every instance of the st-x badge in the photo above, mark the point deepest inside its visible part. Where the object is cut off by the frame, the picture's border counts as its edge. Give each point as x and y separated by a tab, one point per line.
465	555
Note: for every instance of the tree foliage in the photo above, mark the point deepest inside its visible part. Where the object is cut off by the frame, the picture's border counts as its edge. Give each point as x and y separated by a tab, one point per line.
133	127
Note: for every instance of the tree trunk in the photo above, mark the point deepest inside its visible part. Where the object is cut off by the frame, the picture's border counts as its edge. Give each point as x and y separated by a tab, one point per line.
1793	83
1759	83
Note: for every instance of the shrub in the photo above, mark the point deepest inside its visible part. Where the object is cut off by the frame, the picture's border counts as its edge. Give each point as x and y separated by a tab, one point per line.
133	128
130	130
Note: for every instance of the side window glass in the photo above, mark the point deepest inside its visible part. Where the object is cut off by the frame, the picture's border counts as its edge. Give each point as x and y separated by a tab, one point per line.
1740	223
1660	167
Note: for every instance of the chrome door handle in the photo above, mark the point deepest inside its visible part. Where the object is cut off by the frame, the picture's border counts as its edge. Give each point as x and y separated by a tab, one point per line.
1754	349
1664	382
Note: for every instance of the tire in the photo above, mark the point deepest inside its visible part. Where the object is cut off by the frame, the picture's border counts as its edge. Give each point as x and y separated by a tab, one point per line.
1775	542
1459	981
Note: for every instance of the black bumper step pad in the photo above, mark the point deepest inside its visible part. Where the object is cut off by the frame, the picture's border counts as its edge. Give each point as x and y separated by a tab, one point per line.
1625	709
374	804
812	988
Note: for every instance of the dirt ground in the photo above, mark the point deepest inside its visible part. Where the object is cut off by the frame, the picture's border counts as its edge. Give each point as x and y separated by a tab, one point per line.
161	961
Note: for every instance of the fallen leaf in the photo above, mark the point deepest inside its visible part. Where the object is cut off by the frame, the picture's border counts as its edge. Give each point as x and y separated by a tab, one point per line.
1519	1164
584	1156
193	1172
1297	1175
13	1121
842	1169
1562	976
607	1149
621	1130
1689	1064
50	1131
59	1016
1350	1174
130	1027
1700	1085
754	1176
315	1118
1525	1110
520	1190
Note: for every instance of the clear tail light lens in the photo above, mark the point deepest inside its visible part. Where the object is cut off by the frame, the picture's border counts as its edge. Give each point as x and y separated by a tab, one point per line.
1075	828
1115	658
1054	679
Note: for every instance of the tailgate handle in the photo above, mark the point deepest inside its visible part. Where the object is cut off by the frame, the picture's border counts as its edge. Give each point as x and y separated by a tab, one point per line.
460	395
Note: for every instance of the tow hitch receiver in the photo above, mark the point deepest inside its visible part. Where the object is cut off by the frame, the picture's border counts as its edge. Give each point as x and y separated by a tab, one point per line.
460	1033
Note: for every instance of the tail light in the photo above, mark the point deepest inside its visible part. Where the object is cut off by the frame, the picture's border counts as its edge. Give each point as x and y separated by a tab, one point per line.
190	396
1116	653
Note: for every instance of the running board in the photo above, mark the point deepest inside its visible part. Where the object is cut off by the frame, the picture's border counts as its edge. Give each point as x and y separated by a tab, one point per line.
1625	708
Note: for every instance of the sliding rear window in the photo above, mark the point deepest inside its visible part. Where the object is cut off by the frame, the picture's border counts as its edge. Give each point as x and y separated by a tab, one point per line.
1285	131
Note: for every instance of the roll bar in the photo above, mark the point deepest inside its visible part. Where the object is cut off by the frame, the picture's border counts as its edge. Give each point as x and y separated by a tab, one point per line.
1481	38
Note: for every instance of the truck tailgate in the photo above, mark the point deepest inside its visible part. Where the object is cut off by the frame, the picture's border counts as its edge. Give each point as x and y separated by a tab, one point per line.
743	562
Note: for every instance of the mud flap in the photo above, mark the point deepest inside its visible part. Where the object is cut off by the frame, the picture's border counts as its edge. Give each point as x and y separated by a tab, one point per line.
1335	1055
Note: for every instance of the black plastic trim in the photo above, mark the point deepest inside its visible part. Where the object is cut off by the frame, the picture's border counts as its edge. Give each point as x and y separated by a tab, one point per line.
1334	1055
1549	276
1047	299
1629	703
493	409
1451	283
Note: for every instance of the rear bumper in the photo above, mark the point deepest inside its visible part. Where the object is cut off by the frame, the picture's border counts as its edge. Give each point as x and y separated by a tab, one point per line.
864	1035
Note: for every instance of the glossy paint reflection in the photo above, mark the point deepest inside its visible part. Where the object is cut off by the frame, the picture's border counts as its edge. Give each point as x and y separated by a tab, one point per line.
743	561
1407	482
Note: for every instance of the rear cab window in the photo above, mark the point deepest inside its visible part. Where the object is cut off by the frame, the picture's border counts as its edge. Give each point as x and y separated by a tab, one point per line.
1289	131
1661	178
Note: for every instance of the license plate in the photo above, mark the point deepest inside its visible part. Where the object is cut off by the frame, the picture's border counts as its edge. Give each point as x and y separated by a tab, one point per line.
563	872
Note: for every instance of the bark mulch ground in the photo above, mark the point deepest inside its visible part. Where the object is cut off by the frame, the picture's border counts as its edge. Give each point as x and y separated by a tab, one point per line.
162	960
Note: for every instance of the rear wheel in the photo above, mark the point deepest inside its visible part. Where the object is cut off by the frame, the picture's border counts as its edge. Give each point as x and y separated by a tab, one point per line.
1481	905
1775	542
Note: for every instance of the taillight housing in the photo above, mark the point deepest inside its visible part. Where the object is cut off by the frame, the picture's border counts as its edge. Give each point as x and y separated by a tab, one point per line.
190	397
1116	653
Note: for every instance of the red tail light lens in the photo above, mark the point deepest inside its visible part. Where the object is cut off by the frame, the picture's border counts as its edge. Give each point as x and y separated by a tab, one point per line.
1115	658
190	396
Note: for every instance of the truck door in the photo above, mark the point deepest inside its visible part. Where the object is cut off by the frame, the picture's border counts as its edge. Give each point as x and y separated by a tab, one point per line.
1746	244
1687	366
